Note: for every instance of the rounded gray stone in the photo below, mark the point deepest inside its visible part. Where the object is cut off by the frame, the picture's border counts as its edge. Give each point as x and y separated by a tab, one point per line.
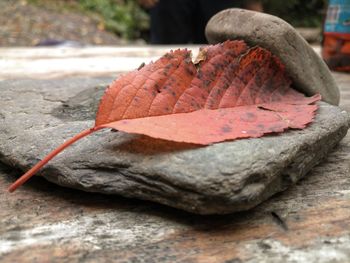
38	115
308	71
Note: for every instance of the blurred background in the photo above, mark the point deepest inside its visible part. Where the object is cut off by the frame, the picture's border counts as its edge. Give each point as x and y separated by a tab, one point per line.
118	22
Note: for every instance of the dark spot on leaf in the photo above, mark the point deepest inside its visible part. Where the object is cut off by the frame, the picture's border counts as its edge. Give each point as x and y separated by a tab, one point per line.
207	83
168	67
248	117
226	129
169	55
141	66
157	88
212	74
189	71
252	132
276	127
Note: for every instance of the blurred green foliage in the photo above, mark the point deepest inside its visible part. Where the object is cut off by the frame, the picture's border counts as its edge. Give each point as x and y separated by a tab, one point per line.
123	17
299	13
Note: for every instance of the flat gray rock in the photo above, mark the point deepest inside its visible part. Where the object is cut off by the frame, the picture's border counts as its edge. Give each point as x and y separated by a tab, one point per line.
309	72
38	115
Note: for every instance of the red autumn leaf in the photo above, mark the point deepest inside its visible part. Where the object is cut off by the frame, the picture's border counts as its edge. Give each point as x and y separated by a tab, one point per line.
233	91
209	126
249	86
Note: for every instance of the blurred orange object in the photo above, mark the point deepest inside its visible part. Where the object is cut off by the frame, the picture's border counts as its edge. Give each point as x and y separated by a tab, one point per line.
336	36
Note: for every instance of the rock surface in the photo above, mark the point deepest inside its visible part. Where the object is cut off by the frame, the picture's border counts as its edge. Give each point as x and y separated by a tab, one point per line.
37	116
308	71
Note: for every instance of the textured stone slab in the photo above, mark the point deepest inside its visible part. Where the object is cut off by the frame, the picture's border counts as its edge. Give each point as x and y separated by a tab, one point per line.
36	116
308	71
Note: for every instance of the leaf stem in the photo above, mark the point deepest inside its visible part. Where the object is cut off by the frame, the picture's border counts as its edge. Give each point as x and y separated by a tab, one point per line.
48	157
